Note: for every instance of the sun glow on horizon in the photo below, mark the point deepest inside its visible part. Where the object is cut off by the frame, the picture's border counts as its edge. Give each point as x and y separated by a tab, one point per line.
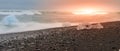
89	12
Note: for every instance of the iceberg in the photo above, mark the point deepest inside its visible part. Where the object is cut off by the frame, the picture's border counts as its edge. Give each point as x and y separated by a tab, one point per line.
10	20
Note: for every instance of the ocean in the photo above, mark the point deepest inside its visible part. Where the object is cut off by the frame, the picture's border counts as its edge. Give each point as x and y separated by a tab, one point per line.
11	24
37	22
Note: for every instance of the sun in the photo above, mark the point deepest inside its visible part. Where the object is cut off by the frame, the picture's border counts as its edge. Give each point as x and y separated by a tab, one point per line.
88	12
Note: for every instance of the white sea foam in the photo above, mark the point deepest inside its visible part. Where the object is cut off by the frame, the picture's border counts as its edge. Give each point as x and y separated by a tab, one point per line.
28	27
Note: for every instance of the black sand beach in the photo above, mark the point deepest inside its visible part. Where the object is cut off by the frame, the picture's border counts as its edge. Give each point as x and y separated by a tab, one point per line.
64	39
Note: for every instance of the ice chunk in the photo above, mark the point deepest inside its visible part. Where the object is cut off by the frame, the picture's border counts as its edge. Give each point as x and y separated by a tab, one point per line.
10	20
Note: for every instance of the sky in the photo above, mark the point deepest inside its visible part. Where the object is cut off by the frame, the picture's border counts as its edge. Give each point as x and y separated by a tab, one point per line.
61	5
16	4
110	5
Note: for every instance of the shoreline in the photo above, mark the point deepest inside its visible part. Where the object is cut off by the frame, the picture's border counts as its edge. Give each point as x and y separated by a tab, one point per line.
66	37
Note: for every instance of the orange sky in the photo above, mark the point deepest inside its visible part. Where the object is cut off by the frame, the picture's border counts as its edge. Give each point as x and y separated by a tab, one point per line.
69	5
